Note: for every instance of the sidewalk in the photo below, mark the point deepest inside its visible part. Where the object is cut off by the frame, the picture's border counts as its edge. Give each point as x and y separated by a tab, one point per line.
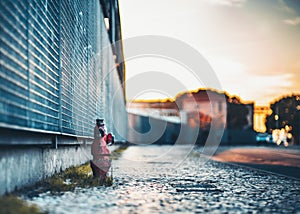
148	179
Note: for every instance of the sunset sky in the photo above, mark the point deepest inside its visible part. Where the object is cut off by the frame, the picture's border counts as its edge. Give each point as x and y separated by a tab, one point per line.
252	45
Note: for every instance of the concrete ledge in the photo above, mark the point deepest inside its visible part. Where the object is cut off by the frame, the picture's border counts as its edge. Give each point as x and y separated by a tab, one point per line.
10	136
25	165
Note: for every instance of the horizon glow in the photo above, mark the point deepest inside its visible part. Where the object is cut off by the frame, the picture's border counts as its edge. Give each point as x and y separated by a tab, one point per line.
253	46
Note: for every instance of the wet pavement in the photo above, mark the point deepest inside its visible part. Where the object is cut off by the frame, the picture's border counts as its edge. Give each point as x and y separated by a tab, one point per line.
177	179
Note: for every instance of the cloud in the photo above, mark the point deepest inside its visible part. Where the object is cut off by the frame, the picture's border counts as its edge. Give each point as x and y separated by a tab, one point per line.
294	21
231	3
284	7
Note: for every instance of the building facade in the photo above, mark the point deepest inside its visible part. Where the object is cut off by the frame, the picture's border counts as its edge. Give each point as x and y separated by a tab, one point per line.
59	70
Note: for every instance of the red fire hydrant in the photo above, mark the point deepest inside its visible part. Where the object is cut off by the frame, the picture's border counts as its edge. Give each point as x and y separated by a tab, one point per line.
101	162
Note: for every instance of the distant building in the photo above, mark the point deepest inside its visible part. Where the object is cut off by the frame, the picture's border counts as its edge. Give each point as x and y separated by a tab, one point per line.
260	114
202	106
236	116
231	118
153	104
153	121
166	109
286	115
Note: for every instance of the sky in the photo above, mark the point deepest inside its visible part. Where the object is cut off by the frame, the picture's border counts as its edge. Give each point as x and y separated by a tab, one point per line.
253	46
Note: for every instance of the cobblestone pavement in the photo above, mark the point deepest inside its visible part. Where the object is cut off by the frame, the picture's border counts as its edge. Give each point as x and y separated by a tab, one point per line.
161	179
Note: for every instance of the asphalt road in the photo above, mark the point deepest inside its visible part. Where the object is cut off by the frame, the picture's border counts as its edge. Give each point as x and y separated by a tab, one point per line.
279	160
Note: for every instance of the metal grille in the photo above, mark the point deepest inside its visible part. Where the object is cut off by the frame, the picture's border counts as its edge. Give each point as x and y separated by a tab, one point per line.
74	43
52	66
14	63
43	56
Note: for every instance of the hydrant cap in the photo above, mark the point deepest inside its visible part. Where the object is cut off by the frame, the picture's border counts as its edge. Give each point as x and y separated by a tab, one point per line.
100	121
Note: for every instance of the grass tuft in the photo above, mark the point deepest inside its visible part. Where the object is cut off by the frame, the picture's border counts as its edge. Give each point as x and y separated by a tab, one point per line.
68	180
77	176
12	204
